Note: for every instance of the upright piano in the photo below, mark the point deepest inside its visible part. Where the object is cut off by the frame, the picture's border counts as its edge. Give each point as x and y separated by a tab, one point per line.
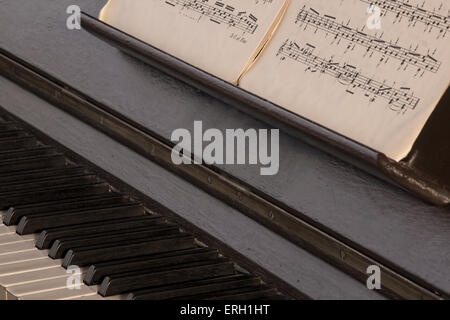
88	189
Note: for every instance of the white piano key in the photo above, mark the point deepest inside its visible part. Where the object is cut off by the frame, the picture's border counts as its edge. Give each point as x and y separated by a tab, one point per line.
41	286
28	265
16	247
63	294
6	230
32	276
55	289
14	237
26	255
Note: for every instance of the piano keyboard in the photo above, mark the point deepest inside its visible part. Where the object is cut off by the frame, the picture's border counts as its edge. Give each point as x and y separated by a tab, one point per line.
61	221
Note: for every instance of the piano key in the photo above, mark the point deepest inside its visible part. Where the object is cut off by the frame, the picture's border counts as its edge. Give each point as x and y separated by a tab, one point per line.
32	276
13	133
52	194
36	278
98	271
39	222
34	186
61	246
63	294
13	215
39	289
20	141
14	144
32	163
39	173
17	262
185	289
47	237
14	238
30	179
122	247
103	253
4	230
18	267
11	237
122	283
16	247
21	256
48	189
8	125
44	183
38	151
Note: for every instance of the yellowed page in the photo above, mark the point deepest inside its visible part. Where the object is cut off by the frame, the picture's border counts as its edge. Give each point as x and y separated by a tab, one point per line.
218	37
329	63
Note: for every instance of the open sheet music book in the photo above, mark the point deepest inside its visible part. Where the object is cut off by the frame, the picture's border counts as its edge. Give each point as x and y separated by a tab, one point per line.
370	70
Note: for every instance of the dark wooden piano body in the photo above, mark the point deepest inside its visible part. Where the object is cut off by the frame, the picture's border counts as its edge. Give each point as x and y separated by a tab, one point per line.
374	219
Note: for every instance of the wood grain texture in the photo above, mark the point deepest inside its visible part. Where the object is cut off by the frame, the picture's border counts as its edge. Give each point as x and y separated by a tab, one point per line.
375	217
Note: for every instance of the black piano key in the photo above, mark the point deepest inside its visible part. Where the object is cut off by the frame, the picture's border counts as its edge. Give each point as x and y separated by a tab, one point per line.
47	237
13	134
20	143
61	246
43	177
8	125
31	152
186	289
125	283
14	214
39	173
45	183
52	194
32	163
37	188
102	253
98	271
39	222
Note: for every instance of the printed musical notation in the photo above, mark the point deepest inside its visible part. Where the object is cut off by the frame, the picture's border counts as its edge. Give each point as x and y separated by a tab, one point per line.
400	8
399	99
328	24
219	13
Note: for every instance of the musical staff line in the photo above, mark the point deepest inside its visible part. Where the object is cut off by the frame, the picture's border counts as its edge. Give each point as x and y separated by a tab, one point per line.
399	100
219	13
414	14
405	56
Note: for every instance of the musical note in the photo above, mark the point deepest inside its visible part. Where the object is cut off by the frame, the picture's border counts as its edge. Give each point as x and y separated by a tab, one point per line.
432	20
328	24
219	13
399	100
